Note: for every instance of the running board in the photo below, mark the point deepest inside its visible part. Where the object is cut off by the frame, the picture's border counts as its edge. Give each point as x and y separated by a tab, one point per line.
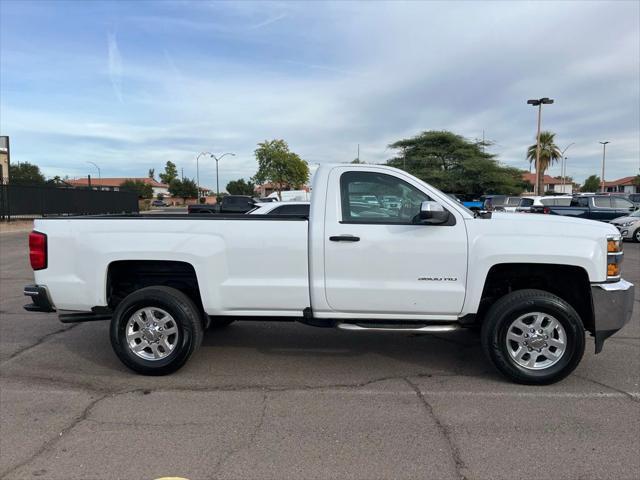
399	328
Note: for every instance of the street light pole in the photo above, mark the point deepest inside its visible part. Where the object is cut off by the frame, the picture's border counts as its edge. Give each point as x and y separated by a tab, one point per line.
604	153
538	103
217	159
198	171
96	165
563	166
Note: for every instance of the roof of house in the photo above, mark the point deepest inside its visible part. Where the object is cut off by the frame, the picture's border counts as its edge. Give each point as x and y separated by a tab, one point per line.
115	182
548	179
620	181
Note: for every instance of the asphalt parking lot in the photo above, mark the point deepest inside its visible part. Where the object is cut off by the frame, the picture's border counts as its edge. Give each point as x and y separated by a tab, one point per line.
282	400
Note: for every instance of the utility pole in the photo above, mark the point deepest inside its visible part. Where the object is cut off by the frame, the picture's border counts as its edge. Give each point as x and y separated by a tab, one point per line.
538	103
358	153
604	154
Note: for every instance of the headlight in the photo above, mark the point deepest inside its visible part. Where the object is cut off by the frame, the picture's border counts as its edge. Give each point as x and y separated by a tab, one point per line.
614	257
628	224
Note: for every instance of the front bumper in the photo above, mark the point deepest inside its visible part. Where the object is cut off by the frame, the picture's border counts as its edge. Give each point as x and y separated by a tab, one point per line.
628	231
39	299
612	308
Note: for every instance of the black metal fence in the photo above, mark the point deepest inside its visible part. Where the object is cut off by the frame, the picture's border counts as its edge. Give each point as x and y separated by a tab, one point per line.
33	201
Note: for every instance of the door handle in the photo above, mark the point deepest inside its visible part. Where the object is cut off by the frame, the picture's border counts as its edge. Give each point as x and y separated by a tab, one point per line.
344	238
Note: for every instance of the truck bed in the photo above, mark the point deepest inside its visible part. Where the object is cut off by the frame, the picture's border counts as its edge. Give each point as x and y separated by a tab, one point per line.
244	263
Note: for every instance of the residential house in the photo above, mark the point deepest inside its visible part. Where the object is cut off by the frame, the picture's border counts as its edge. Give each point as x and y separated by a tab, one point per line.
550	184
623	185
114	184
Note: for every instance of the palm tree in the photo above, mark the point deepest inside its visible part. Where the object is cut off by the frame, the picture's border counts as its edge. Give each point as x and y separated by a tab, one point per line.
549	153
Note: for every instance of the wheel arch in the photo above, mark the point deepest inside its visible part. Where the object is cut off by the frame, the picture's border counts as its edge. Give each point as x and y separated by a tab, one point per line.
569	282
126	276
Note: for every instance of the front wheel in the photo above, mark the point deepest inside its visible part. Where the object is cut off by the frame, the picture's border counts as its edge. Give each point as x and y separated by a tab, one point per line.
636	235
533	337
155	330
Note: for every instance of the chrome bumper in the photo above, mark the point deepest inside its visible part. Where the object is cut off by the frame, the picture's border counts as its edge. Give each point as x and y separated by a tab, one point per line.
612	308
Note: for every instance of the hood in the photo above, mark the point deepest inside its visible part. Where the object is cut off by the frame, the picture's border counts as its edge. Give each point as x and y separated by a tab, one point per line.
620	220
539	224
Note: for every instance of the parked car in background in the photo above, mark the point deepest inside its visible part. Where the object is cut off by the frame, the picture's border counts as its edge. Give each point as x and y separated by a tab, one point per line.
629	226
635	199
537	204
228	204
500	203
159	203
292	196
469	201
595	207
281	208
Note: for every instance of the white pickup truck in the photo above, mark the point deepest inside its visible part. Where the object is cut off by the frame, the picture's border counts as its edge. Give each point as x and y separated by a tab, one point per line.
531	284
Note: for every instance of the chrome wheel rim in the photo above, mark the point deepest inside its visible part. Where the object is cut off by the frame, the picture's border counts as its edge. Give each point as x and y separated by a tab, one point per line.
152	333
536	341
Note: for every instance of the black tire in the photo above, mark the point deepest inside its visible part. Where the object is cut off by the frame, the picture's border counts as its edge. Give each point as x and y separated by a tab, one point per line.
188	321
636	235
509	308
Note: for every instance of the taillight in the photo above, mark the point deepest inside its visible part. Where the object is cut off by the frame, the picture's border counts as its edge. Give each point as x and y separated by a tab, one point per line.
546	210
38	250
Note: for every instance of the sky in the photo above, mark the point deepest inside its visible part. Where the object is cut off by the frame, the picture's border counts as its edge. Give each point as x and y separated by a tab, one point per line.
131	85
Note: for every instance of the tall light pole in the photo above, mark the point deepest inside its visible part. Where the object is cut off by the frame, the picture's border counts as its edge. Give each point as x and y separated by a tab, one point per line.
96	165
604	154
217	159
198	170
538	103
563	165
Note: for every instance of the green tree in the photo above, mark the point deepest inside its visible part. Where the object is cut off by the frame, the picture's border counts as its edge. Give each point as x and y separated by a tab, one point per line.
152	172
170	173
549	153
241	187
454	164
142	189
25	174
591	184
278	165
183	188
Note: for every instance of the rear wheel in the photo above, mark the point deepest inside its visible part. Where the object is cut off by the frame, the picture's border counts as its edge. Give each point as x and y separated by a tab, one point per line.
533	337
155	330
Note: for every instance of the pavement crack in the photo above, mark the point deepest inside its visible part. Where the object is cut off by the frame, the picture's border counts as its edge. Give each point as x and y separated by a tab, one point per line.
458	464
51	443
251	439
38	342
630	396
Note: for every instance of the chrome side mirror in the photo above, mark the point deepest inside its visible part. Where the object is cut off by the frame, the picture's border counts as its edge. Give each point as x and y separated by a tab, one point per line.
432	213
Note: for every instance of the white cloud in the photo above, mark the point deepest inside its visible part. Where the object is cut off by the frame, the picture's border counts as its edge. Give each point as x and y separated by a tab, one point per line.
115	65
326	77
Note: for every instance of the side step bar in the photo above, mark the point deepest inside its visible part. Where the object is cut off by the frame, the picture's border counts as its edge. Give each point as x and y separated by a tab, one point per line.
398	328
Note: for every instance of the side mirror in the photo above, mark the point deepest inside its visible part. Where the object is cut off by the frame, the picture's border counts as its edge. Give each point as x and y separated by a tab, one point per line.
432	213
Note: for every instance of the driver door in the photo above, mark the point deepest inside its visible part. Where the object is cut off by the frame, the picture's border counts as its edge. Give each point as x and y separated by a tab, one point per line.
378	260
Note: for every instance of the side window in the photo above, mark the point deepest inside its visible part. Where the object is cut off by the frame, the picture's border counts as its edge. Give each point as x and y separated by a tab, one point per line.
369	197
526	202
602	202
621	203
580	202
291	210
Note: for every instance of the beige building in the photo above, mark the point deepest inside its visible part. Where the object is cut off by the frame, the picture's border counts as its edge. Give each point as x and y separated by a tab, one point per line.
4	159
